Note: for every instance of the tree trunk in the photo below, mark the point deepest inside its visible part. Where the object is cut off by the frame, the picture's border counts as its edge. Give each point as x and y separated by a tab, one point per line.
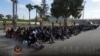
29	17
4	24
59	23
16	15
52	24
65	25
65	22
36	17
40	23
13	21
14	10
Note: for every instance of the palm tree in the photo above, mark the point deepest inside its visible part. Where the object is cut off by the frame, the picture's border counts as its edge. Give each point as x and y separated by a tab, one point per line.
29	7
14	2
39	11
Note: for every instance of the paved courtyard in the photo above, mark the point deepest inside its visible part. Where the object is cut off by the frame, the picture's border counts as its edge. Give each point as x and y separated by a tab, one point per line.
85	43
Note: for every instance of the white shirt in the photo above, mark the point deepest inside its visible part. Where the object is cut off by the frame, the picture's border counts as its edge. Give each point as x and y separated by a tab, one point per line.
34	32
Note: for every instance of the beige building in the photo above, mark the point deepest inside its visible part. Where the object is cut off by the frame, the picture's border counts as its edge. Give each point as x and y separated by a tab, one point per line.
71	21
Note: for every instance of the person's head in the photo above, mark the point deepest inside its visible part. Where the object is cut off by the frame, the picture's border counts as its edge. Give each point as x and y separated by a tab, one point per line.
33	29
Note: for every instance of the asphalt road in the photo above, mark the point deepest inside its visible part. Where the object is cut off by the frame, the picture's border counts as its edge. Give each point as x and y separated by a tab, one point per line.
86	43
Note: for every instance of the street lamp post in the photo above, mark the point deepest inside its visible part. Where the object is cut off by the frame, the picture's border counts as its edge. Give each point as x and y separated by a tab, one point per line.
84	8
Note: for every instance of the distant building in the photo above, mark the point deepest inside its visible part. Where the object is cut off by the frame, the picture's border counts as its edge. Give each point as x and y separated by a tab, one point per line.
72	21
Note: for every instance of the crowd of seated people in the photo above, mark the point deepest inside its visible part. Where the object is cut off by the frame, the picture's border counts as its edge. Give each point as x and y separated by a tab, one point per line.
43	34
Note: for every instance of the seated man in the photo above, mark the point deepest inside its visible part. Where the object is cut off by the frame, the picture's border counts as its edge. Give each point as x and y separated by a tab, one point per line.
58	34
33	40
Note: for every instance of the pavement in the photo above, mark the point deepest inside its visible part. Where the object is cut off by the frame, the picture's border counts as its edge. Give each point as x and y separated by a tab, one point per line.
86	43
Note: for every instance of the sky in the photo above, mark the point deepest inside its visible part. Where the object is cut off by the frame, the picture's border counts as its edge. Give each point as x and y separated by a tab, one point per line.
91	10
